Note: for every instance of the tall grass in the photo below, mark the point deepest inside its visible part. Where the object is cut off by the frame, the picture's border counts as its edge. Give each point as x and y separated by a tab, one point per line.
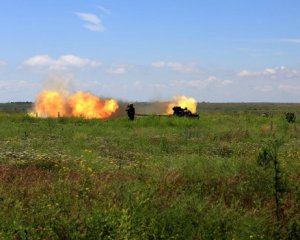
153	178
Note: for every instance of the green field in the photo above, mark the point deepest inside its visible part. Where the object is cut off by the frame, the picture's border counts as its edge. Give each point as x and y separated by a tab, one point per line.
154	178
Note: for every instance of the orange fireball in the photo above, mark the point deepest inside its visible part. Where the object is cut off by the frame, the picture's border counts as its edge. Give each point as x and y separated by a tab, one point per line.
81	104
183	102
50	104
89	106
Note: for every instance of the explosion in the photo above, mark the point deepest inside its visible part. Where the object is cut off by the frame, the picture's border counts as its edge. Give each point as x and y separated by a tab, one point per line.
183	102
82	104
86	105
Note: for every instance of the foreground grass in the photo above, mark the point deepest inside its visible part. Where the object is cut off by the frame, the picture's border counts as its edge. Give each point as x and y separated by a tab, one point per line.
154	178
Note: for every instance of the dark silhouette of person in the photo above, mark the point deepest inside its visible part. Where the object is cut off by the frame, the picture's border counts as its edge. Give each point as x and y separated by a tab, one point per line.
130	111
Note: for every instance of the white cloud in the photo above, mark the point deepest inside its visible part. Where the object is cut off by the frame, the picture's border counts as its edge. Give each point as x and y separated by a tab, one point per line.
4	84
40	60
290	40
177	66
289	88
270	71
64	61
118	69
104	10
16	84
2	63
259	52
92	22
183	67
244	73
264	88
197	84
202	83
273	73
226	82
212	79
71	60
161	86
137	84
158	64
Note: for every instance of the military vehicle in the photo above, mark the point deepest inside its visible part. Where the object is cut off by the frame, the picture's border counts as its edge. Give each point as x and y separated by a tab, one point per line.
183	112
177	111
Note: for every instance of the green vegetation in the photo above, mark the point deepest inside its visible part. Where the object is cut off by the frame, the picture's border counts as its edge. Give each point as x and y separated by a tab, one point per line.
15	107
153	178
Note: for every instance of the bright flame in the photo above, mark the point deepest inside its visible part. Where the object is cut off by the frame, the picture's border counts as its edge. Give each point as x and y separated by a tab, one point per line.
50	104
89	106
183	102
81	104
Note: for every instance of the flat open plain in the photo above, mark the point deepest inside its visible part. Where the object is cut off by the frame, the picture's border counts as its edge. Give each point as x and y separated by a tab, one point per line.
153	178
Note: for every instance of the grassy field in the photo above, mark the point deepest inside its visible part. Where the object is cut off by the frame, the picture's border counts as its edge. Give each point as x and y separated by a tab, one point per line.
154	178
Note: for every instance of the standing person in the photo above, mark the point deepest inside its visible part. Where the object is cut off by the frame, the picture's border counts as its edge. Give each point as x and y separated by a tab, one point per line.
130	111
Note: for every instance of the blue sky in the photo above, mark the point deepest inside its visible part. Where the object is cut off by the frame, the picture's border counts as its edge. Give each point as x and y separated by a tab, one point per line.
212	50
